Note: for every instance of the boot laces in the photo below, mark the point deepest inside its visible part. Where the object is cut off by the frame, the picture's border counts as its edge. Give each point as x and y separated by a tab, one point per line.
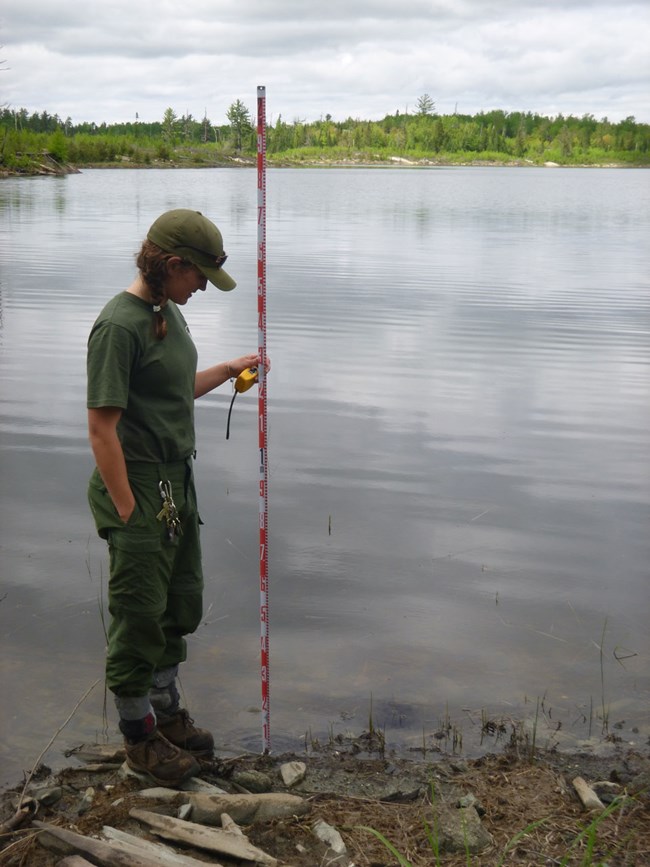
185	716
163	749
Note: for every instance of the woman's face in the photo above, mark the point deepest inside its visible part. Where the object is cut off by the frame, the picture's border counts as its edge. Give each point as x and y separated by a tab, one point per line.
183	281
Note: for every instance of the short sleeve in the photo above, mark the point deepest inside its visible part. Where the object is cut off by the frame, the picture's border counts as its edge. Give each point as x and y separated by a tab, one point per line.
111	353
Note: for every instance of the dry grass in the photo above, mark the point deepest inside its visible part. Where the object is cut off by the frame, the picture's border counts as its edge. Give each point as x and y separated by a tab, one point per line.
530	811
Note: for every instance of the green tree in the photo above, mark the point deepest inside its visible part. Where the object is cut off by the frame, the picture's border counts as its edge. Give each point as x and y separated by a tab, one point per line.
240	122
206	130
280	137
520	140
169	126
187	126
57	146
425	105
565	141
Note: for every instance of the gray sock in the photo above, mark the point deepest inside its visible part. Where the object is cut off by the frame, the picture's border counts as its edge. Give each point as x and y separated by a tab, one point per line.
133	707
165	699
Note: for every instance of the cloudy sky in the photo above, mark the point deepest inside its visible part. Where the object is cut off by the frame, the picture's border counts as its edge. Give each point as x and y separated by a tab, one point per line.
107	61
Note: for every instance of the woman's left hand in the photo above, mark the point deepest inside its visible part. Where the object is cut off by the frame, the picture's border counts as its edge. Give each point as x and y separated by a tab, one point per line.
237	365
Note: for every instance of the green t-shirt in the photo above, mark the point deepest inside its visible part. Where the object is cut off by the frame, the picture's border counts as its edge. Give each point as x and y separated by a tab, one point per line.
151	380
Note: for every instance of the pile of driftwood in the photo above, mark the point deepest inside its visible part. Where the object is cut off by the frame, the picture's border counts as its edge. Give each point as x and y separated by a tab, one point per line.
201	817
117	848
43	163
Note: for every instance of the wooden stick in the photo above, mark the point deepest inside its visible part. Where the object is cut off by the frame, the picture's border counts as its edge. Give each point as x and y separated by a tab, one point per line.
19	817
75	861
105	854
590	800
54	737
211	839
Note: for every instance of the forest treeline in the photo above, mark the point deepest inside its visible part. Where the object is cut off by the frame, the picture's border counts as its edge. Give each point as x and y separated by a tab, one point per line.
494	136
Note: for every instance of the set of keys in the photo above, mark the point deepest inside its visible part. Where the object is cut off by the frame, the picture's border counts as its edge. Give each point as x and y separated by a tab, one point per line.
169	512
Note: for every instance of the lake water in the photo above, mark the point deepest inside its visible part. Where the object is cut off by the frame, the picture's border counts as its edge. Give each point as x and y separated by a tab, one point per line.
459	415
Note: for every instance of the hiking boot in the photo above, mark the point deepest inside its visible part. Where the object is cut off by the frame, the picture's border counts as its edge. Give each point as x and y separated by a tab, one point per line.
160	760
180	730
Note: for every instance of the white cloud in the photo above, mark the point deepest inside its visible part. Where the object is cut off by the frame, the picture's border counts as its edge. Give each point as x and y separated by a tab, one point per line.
360	58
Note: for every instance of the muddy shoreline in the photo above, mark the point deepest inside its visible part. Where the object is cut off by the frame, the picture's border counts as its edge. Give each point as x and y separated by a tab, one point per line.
354	784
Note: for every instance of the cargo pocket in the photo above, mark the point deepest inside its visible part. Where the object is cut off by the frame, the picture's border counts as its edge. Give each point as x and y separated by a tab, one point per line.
138	579
129	538
104	511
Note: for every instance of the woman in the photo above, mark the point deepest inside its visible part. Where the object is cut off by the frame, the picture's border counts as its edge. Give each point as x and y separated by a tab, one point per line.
142	383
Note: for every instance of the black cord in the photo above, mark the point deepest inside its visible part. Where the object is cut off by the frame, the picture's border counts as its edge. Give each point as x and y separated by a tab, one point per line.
234	395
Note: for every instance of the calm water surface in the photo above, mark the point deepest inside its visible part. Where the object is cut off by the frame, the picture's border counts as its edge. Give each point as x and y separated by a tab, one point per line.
459	441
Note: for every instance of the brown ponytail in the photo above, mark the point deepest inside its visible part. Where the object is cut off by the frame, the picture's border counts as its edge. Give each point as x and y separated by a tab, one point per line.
152	264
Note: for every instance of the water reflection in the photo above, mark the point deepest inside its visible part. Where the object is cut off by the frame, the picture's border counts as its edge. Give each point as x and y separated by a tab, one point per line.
458	452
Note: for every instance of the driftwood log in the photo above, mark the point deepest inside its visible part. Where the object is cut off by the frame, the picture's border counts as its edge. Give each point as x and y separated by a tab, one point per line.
163	855
209	839
246	809
75	861
100	853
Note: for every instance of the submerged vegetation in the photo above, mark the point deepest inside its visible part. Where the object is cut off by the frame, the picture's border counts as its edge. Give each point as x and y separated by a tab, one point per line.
422	137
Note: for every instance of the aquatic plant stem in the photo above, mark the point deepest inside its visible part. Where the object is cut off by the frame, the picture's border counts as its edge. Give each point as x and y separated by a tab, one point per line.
53	738
602	679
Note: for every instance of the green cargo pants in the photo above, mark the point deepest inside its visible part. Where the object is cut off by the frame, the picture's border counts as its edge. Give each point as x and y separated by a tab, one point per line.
155	588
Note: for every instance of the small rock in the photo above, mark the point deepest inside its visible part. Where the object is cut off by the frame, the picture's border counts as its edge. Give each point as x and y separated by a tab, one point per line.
330	836
471	801
48	796
86	801
640	785
461	830
293	773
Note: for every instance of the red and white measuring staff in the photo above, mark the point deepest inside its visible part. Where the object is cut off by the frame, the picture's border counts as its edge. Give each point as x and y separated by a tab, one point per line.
262	414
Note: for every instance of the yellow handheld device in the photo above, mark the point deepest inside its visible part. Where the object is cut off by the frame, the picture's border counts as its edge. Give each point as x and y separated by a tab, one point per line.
246	379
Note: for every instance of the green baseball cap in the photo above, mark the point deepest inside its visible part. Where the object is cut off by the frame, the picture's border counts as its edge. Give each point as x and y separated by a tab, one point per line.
192	236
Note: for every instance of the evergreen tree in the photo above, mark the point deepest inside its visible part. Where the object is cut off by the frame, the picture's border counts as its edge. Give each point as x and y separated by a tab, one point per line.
169	126
425	105
240	122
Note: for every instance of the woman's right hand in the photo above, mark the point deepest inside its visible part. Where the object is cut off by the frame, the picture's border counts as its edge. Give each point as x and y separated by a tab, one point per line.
106	446
125	515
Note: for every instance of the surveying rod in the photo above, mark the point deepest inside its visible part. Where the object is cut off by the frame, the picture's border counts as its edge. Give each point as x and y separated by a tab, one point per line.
263	418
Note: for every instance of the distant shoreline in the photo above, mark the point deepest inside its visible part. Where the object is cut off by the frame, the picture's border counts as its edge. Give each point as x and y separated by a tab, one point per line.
51	169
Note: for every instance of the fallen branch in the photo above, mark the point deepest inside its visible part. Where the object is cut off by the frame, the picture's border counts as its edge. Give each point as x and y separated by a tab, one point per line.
104	854
209	839
19	816
590	800
54	737
22	814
